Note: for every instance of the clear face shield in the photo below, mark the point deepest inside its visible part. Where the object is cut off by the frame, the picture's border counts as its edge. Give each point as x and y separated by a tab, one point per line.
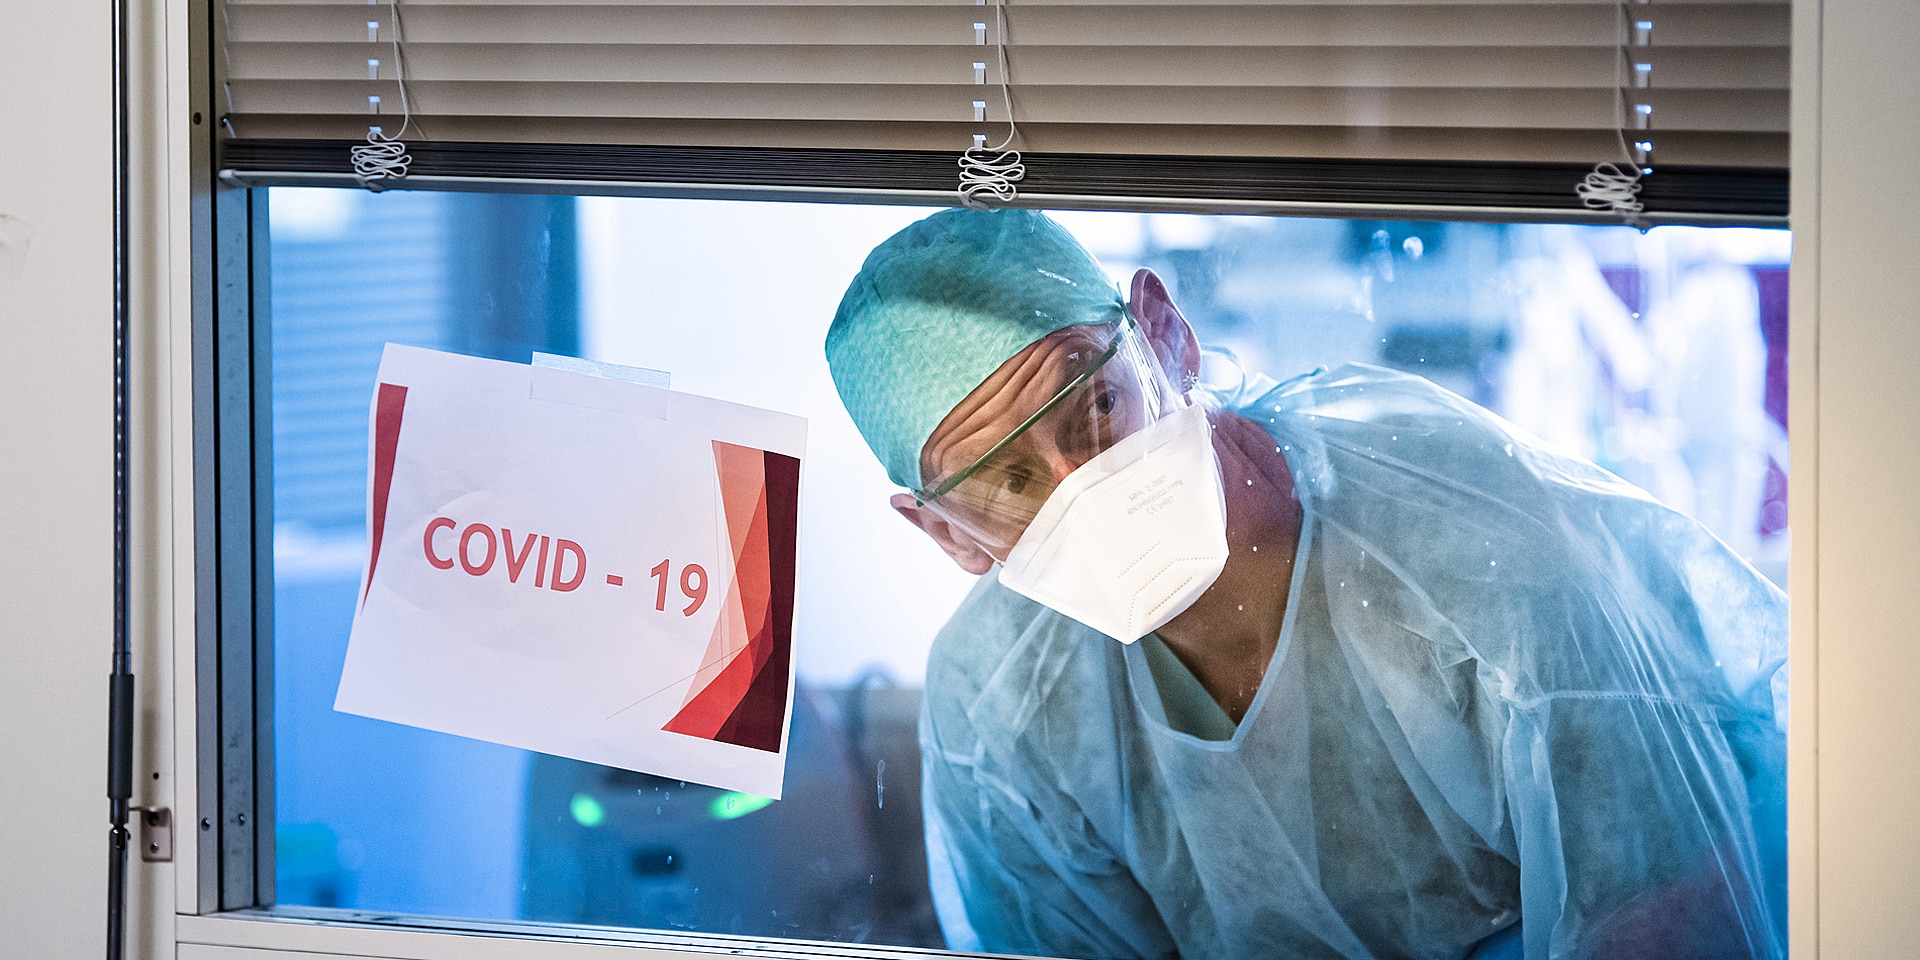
1079	395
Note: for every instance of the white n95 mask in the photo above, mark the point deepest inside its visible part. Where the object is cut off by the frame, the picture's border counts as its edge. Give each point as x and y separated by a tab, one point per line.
1134	536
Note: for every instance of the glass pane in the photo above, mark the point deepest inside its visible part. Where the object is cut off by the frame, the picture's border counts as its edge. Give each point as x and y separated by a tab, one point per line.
1077	825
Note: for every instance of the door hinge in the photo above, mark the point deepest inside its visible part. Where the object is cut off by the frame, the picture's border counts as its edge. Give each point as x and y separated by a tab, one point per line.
156	834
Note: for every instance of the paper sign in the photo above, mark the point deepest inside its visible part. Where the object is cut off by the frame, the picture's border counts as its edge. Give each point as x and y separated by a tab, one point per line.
579	566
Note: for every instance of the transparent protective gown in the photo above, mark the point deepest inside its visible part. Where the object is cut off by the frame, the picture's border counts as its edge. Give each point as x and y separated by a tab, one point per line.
1518	709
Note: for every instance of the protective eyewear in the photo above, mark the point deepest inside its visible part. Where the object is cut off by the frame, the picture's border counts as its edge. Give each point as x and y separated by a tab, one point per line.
994	498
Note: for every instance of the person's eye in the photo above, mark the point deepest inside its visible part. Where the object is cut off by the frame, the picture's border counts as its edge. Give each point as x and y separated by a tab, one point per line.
1104	401
1015	482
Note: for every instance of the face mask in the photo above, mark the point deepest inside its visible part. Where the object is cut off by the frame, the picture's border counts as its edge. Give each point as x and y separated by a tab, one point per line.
1134	536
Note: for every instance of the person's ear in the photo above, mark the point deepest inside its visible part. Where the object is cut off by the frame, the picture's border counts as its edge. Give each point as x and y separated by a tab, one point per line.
1172	338
953	540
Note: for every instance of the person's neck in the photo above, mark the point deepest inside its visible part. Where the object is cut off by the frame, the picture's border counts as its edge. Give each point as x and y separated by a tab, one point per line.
1227	637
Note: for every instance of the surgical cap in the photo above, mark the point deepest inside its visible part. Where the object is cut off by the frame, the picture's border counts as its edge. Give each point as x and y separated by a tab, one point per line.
939	306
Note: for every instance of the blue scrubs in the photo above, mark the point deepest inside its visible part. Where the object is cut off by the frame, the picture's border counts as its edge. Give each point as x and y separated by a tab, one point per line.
1517	708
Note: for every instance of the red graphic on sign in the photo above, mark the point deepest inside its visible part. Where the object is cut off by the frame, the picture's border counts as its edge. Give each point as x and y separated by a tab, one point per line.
391	403
740	695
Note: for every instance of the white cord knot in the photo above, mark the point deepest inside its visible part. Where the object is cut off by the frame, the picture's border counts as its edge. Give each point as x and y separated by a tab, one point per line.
984	173
380	159
1611	188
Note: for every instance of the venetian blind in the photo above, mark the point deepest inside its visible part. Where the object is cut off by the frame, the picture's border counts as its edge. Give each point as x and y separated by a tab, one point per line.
1455	80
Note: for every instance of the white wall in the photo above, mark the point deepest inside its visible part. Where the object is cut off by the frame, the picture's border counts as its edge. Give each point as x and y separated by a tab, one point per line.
1858	220
1855	218
56	481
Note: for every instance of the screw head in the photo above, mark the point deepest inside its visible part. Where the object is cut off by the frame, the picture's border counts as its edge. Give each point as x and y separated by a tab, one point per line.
206	823
153	847
243	819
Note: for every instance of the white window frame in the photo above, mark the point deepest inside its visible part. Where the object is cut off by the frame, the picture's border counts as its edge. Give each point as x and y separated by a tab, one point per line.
173	915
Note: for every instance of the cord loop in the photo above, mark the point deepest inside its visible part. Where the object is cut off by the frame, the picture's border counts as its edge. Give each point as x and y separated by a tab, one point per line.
1611	188
984	173
379	159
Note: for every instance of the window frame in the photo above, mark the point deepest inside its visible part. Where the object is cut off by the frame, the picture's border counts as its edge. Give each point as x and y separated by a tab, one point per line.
225	880
234	591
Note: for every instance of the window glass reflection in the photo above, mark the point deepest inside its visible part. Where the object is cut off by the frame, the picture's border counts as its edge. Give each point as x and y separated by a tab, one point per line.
1660	357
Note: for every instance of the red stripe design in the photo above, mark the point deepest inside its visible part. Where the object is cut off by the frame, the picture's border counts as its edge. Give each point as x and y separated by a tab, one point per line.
388	404
740	695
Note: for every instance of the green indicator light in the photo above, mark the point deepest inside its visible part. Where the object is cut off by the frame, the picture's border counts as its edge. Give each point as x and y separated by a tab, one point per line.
587	811
728	806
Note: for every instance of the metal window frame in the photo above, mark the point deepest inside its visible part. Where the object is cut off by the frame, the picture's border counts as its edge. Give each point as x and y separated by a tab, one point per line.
233	487
232	499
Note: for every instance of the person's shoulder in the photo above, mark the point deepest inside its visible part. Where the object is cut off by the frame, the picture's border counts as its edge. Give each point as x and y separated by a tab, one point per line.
1355	420
1363	393
1358	420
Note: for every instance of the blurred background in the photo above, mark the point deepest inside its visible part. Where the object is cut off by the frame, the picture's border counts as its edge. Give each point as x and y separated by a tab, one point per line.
1659	355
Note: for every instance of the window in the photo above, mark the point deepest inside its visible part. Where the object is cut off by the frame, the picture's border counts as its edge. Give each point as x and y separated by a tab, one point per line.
1658	356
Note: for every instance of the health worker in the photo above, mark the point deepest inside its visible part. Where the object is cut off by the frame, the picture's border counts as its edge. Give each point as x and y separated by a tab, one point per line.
1343	666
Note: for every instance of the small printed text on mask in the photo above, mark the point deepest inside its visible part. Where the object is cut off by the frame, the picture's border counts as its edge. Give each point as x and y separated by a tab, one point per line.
1154	495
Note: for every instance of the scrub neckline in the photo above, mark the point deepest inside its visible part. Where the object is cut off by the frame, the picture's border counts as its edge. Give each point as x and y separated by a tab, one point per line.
1145	686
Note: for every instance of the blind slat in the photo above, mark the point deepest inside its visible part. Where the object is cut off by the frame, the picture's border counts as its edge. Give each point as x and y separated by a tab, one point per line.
1715	110
1465	25
1480	145
1699	68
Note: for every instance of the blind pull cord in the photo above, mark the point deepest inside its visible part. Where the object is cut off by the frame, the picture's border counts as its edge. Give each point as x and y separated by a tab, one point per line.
383	158
991	173
1612	186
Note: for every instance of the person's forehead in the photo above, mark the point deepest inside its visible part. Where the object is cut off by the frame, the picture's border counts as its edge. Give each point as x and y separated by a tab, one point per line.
1019	387
1044	365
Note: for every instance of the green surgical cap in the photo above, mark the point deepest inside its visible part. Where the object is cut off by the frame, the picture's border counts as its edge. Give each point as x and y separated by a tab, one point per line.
942	304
